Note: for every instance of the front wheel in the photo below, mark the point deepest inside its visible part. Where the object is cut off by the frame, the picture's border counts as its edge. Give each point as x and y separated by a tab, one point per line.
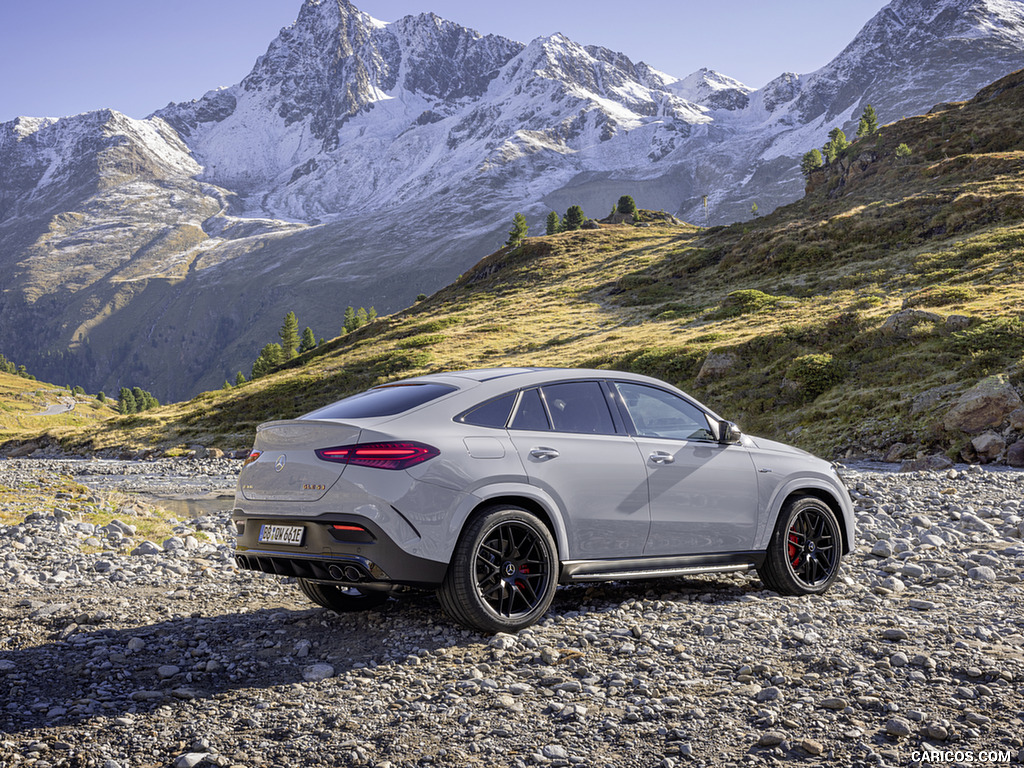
503	572
341	599
805	550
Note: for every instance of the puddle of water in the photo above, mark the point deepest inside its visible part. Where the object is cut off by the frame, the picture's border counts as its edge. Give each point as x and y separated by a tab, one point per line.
188	509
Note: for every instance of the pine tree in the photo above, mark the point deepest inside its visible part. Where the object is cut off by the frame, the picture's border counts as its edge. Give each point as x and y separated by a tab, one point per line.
349	323
811	161
289	334
554	224
574	218
868	122
837	142
239	379
308	340
126	402
371	313
626	205
361	317
100	397
902	153
270	357
518	233
227	385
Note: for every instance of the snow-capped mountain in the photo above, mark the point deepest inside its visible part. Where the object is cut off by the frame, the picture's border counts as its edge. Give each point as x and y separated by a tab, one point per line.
363	162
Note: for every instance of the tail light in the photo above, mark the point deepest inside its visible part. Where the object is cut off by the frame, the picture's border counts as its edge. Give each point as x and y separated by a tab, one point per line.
251	458
390	455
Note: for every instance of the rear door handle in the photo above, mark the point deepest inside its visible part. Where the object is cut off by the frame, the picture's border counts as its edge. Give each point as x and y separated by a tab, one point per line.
662	457
543	453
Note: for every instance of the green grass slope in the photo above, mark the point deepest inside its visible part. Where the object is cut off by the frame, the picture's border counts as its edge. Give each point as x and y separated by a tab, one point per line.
778	323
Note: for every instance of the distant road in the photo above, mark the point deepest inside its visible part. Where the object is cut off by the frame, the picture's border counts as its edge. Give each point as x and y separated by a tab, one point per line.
66	405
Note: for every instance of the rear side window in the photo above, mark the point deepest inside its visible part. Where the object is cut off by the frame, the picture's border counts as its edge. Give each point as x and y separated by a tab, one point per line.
530	413
579	406
493	413
387	400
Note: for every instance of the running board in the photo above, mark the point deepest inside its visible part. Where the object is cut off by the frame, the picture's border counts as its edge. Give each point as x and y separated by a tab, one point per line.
657	567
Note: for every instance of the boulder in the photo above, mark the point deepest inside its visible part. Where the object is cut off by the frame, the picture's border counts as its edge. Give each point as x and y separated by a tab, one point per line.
956	323
1017	420
984	406
716	364
988	446
896	453
902	323
1015	455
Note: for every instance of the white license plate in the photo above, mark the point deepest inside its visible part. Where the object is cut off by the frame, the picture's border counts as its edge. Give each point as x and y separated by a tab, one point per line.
282	534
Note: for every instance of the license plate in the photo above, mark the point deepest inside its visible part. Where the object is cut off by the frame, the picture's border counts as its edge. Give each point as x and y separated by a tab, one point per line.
282	534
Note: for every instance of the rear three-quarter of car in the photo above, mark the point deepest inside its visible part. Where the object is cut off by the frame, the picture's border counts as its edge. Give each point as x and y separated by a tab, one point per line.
494	486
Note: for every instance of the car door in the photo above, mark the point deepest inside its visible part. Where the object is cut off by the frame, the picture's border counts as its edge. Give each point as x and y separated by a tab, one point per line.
573	448
703	494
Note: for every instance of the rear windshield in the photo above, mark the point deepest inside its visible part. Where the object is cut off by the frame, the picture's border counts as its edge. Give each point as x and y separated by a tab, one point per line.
382	401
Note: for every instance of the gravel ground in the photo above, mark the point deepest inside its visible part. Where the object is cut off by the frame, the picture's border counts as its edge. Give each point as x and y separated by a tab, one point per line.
174	658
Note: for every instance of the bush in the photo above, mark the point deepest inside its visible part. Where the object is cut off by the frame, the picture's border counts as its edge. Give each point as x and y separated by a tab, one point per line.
815	373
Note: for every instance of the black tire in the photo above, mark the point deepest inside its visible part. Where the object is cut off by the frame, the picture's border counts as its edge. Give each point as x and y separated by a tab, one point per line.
805	551
503	572
342	599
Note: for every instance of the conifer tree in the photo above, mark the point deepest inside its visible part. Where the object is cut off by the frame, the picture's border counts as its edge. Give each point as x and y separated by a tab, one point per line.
349	324
837	142
371	313
289	334
239	379
126	402
811	161
626	205
100	397
868	122
519	230
308	340
574	218
270	357
361	317
227	385
554	224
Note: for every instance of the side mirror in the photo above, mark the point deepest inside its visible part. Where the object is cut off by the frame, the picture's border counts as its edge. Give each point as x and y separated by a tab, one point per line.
728	433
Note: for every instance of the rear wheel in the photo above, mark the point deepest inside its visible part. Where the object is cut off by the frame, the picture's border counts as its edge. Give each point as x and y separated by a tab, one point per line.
341	599
503	572
806	547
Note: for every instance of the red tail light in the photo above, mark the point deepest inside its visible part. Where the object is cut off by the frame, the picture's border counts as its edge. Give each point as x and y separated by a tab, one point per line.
251	458
391	455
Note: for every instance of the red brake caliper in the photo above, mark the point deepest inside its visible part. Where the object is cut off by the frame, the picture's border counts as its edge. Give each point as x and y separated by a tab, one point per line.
522	569
793	541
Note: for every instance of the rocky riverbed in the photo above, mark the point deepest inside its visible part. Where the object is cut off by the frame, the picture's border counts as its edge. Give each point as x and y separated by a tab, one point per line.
171	657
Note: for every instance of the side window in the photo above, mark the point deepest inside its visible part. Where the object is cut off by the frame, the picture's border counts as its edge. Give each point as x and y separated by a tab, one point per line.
657	413
579	406
530	413
493	413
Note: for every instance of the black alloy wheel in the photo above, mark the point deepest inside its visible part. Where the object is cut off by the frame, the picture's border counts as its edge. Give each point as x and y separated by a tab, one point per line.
805	551
503	573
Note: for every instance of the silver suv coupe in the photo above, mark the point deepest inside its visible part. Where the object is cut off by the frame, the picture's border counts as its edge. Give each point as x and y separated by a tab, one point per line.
494	486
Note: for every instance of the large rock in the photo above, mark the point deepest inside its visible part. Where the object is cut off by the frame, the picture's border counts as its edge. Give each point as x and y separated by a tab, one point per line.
1015	456
716	364
901	324
988	446
983	406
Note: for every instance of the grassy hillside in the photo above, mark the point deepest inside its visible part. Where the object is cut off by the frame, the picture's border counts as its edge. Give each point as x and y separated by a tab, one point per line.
791	308
23	403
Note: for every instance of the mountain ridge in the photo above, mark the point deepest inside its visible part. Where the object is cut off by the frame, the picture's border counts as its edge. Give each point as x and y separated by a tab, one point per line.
133	250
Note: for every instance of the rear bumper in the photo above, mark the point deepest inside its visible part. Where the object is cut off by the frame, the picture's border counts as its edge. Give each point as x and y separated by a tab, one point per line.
370	559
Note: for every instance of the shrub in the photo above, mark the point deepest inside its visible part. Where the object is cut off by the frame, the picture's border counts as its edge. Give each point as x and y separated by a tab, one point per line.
815	373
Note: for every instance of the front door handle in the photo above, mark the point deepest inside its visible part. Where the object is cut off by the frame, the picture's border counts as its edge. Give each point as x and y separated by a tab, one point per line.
543	453
662	457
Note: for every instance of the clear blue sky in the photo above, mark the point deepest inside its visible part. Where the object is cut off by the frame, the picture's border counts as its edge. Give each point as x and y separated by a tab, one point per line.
61	57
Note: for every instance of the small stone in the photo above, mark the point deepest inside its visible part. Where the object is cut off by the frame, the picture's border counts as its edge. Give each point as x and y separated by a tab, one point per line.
895	635
554	752
882	548
768	694
771	739
167	671
190	759
316	672
982	573
811	747
898	727
835	703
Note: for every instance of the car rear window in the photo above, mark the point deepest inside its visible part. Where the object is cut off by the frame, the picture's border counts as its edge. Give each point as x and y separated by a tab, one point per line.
387	400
